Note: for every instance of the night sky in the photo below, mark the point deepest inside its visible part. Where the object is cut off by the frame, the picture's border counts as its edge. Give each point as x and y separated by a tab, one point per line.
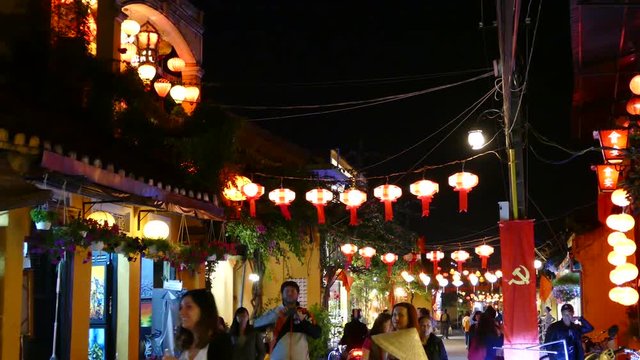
288	53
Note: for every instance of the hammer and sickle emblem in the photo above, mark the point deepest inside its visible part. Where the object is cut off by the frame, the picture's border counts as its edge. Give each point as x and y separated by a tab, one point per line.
522	279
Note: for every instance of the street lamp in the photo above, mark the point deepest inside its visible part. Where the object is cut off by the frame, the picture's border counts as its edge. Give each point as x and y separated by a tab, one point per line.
476	139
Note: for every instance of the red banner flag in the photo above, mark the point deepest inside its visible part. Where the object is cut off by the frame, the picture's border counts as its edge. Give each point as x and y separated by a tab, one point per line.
518	287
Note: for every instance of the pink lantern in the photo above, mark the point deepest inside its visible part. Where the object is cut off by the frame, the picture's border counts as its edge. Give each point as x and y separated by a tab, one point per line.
348	250
424	190
367	253
484	251
319	197
387	194
463	182
283	198
435	257
460	256
252	192
353	198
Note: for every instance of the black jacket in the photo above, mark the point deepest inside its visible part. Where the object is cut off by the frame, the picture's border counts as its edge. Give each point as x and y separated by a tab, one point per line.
435	348
572	334
220	347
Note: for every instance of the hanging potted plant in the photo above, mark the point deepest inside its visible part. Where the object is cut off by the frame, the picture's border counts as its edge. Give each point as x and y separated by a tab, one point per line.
42	218
566	287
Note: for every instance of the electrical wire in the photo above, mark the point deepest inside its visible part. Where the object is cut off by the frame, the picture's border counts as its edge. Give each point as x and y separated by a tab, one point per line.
449	134
424	139
562	162
357	102
546	141
357	82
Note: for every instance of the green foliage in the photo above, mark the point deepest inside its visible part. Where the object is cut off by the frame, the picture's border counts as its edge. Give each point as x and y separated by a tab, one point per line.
318	348
570	278
39	214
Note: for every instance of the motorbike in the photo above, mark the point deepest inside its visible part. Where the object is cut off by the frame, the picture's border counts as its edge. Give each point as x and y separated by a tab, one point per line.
599	347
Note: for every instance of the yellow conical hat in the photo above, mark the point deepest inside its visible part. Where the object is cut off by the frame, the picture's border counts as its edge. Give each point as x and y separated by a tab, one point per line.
403	344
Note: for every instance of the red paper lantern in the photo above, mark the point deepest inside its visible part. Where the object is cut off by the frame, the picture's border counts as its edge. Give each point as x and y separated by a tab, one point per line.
424	190
348	250
460	256
411	259
612	142
484	251
367	253
607	177
435	257
353	198
633	106
389	259
252	192
463	182
387	194
319	198
283	198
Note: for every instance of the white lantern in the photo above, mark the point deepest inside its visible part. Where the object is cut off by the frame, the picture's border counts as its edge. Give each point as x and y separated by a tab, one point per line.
156	229
146	72
175	64
424	278
620	198
621	222
473	279
627	272
615	258
616	294
625	247
443	282
629	296
130	27
457	283
191	93
178	93
615	237
476	139
102	217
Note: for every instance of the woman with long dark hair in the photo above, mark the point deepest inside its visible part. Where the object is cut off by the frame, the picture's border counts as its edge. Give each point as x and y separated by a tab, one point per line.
371	351
199	337
247	341
405	316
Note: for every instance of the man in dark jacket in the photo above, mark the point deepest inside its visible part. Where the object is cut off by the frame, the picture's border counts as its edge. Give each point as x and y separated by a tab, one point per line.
354	332
570	330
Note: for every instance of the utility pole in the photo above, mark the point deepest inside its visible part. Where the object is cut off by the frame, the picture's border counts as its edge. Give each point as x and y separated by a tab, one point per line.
508	15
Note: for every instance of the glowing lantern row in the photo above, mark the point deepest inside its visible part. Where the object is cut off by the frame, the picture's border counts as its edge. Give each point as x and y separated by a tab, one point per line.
367	253
387	195
615	258
463	182
389	259
484	251
252	192
424	190
348	250
620	198
407	277
353	198
615	237
424	278
620	222
626	296
283	197
460	256
319	198
625	247
435	257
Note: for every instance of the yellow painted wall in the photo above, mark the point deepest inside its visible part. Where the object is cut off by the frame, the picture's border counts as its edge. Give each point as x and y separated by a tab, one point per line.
80	300
239	283
134	308
11	260
222	289
122	322
291	267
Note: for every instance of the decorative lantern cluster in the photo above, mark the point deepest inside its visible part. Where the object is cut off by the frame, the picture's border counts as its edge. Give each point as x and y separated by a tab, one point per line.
366	252
623	272
353	198
139	47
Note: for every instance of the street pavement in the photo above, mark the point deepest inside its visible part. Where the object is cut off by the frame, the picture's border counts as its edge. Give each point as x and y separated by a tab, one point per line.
455	347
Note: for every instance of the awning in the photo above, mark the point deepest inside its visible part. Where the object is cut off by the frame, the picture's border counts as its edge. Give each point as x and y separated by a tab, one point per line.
15	192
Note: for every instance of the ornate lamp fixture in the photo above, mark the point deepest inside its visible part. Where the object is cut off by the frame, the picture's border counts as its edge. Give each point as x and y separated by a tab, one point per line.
607	177
162	87
156	229
613	142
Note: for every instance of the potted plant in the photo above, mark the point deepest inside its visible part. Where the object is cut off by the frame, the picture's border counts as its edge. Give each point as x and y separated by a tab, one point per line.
42	218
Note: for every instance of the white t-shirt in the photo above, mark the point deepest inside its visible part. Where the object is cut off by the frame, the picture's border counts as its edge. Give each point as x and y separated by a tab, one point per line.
202	354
